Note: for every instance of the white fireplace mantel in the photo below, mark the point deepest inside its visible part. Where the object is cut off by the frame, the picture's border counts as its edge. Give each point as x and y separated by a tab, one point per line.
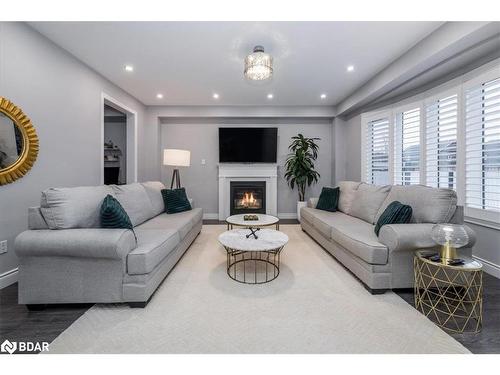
248	172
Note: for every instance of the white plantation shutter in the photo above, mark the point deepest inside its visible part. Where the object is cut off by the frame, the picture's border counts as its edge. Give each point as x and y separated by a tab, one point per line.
482	137
407	148
441	122
377	152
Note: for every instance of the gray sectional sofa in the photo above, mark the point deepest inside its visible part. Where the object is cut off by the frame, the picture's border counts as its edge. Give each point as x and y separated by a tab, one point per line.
65	257
383	262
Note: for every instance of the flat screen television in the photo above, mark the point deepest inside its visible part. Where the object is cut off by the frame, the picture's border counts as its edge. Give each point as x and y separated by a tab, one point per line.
248	145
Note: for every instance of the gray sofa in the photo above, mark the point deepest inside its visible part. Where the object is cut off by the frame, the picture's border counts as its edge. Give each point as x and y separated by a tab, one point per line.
65	257
383	262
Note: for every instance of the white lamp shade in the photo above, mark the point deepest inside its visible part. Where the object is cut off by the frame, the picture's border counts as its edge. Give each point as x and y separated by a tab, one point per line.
176	158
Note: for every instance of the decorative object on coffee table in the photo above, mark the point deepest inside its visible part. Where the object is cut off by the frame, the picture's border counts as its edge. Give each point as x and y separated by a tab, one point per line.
253	261
250	217
299	166
450	237
449	295
176	158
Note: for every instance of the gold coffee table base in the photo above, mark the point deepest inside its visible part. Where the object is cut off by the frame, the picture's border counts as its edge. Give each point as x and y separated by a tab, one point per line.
450	296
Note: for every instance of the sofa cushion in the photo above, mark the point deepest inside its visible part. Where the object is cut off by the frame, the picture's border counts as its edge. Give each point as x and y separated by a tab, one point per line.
135	201
182	221
153	189
307	214
113	215
367	201
355	235
329	199
153	245
77	207
430	205
175	200
346	197
395	213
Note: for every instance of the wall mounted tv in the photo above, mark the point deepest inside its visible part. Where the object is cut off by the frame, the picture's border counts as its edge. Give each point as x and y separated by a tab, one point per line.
248	145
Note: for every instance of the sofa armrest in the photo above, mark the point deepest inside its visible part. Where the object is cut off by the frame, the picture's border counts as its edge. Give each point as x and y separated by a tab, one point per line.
83	243
312	202
410	237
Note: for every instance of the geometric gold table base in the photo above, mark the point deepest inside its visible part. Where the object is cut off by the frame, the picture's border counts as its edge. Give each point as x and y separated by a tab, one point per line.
253	267
450	296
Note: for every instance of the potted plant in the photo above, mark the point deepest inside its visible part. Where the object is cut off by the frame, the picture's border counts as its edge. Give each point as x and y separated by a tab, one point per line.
299	166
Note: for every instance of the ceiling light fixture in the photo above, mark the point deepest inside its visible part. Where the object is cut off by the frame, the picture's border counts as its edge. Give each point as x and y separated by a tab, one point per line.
258	65
215	96
159	96
323	96
270	96
350	68
129	68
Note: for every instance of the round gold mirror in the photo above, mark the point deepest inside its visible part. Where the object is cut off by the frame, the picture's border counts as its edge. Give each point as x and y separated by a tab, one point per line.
18	142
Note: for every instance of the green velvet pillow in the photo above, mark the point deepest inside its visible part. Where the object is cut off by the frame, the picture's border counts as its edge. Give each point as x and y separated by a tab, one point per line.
175	200
328	199
113	215
395	213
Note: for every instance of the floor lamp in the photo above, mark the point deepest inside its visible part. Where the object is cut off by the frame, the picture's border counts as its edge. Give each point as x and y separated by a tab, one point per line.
176	158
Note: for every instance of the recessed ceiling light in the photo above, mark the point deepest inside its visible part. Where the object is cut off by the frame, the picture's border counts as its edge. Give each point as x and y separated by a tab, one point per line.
270	96
323	96
215	96
159	96
350	68
129	68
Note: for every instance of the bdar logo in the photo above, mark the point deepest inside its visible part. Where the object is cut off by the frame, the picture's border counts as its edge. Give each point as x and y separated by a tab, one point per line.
8	347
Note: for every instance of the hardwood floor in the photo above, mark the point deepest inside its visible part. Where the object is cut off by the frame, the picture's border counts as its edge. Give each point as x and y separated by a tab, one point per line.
19	324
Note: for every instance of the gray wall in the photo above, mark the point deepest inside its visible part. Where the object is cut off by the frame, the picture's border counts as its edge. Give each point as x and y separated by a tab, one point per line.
62	97
201	138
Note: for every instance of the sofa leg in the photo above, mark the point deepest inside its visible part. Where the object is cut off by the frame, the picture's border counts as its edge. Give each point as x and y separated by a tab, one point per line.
375	291
37	307
139	305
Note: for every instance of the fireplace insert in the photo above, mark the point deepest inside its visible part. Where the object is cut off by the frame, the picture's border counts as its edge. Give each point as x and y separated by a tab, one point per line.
248	197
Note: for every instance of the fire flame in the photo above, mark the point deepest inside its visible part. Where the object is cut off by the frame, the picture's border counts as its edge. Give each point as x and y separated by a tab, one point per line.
248	200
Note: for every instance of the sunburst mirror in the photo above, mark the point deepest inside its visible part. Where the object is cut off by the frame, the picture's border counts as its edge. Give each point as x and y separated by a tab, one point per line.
18	142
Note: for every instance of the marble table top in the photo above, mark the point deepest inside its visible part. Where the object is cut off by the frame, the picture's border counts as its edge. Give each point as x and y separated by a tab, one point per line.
269	239
263	220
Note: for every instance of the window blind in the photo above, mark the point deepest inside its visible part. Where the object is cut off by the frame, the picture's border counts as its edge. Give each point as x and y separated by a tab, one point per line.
377	152
407	148
441	122
482	137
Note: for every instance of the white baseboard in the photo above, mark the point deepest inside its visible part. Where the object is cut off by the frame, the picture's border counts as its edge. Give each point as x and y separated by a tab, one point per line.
489	267
210	216
8	278
287	215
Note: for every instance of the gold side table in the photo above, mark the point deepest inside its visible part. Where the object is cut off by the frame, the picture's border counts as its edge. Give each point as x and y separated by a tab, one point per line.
450	296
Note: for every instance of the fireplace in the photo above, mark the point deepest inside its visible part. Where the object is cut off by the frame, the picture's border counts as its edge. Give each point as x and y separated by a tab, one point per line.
248	197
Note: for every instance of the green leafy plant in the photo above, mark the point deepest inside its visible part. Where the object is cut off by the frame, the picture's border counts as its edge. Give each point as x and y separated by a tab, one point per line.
299	164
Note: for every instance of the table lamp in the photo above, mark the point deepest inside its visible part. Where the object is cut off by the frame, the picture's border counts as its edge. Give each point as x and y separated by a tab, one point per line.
450	237
176	158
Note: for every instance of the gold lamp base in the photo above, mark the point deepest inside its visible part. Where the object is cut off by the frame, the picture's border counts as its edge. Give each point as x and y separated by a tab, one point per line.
448	253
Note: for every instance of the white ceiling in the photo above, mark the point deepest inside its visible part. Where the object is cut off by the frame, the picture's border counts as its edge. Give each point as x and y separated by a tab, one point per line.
188	61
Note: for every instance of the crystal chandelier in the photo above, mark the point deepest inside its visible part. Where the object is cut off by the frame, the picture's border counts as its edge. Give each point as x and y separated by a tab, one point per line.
258	65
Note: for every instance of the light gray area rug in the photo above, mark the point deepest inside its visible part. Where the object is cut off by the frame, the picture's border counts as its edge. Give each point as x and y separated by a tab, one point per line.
314	306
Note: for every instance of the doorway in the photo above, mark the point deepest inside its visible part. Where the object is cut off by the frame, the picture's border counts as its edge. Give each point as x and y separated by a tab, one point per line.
118	143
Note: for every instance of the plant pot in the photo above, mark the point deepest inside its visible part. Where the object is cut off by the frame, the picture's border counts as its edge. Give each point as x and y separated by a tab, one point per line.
300	204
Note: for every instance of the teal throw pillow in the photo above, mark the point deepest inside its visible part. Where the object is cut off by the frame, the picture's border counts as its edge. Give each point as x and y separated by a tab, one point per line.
328	199
395	213
113	214
175	200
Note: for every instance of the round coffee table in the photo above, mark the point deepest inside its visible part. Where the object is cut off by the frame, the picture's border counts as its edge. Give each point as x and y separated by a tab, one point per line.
263	221
253	260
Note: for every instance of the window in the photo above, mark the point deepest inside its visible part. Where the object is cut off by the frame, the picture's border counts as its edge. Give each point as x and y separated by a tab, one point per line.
441	142
407	148
377	152
482	137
